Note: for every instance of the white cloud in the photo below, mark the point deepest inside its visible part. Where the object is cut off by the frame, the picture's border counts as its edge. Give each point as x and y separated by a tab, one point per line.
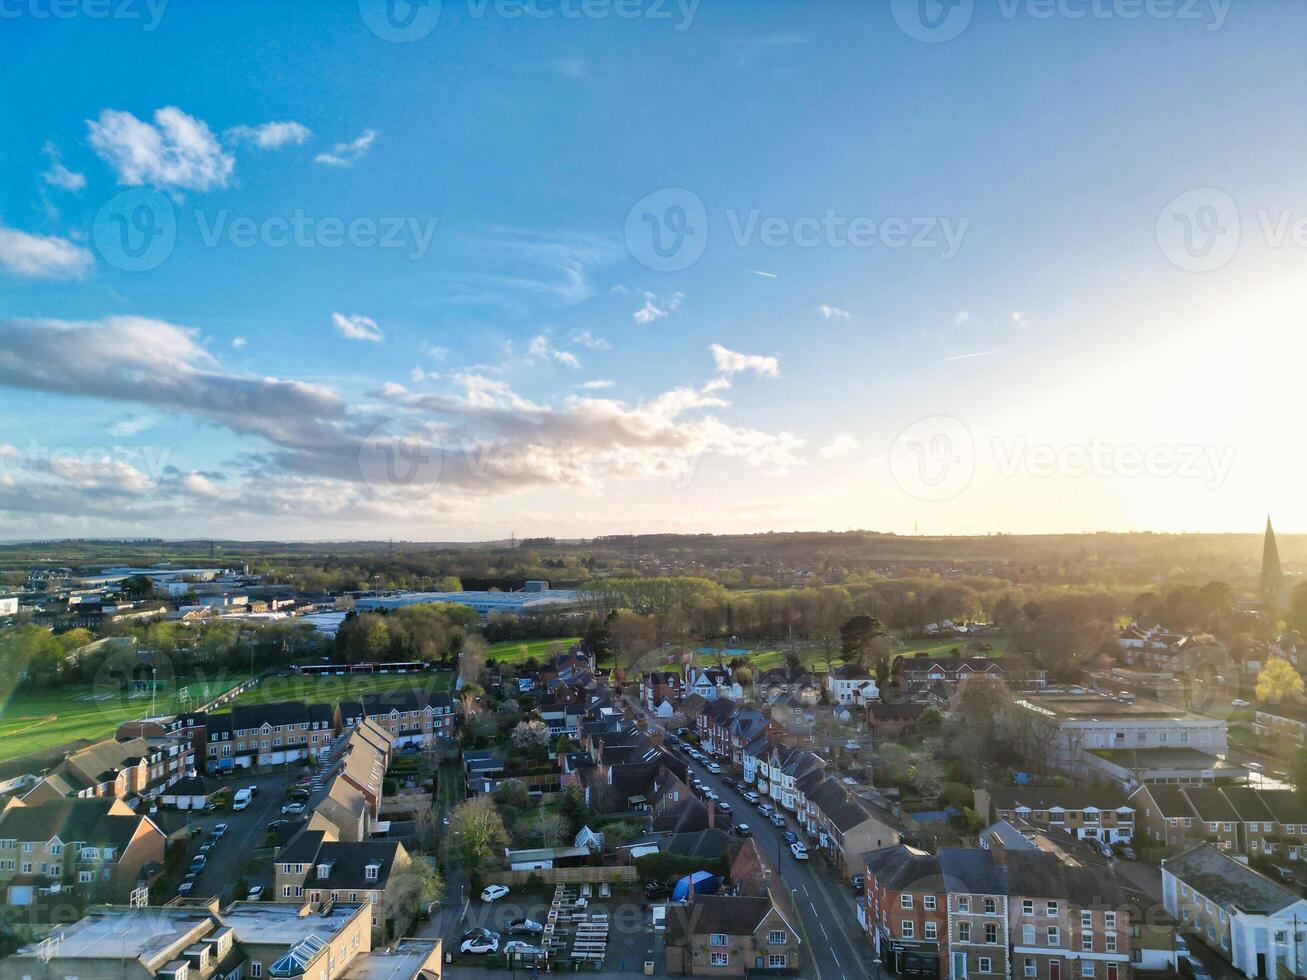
656	309
596	385
347	154
732	362
57	175
434	352
832	312
962	317
355	327
177	151
541	348
270	136
238	342
42	256
586	339
1019	319
841	445
132	425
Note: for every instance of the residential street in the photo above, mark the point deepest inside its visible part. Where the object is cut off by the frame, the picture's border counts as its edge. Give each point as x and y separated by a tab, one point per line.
834	944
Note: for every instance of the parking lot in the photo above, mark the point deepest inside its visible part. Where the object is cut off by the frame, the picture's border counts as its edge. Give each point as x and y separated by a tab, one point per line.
630	930
232	859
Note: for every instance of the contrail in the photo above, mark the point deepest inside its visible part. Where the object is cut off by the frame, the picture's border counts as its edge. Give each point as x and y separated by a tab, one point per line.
759	272
979	353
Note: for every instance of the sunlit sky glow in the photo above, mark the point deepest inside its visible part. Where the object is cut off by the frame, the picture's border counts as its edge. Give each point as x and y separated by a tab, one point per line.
1025	340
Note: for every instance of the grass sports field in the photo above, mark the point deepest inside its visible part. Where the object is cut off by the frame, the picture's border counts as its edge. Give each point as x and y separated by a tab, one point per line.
515	651
330	690
35	720
765	658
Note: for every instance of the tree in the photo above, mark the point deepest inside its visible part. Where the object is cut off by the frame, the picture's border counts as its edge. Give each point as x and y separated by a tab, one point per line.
512	793
1278	680
472	661
574	809
1298	771
478	832
531	737
416	885
856	635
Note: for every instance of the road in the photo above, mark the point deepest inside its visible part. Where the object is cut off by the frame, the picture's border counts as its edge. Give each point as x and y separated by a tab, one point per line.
834	944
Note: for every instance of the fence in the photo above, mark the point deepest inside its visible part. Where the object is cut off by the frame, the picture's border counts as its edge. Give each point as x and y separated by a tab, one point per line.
565	876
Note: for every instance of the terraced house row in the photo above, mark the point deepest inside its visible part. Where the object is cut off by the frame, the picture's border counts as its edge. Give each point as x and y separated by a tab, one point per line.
1237	820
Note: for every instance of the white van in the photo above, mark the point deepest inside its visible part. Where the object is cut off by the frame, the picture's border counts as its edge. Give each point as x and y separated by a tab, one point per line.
242	799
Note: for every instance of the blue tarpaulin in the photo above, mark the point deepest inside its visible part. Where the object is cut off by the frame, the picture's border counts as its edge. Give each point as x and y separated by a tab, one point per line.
702	882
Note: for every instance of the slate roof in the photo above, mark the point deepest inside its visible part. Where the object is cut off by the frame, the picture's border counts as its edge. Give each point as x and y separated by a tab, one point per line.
1227	882
71	820
734	915
1210	804
1066	797
708	844
688	816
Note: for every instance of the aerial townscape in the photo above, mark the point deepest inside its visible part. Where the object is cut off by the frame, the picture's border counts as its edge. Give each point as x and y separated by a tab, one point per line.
653	488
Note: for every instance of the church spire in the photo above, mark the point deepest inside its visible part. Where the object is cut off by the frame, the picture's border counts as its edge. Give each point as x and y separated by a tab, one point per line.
1274	593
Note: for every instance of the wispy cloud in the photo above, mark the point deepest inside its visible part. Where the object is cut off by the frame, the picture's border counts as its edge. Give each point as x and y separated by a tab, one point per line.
731	362
655	308
356	327
345	155
270	136
586	339
42	256
841	445
832	312
541	349
570	67
57	175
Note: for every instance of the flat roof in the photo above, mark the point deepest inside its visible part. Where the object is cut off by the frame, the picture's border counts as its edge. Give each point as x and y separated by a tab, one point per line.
1101	707
114	933
477	600
280	924
401	961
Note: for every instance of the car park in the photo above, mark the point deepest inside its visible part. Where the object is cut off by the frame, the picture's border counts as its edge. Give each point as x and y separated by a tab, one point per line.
492	893
290	808
524	927
480	945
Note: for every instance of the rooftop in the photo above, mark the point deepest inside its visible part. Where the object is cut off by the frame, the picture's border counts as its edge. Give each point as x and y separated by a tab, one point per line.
1067	706
1229	883
113	932
277	924
402	961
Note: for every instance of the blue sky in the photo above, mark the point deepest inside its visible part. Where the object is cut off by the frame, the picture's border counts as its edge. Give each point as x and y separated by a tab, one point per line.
939	283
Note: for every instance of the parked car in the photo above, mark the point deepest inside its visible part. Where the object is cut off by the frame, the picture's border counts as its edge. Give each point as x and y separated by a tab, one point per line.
493	893
750	796
657	889
480	945
791	838
254	790
729	783
1239	703
742	830
186	888
219	830
777	819
766	809
298	793
726	808
208	845
291	808
198	863
799	851
859	882
524	927
714	768
255	894
1126	851
1190	966
479	934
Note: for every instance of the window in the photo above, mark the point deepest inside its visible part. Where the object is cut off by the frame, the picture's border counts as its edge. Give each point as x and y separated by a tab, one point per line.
1028	906
1109	919
964	904
1027	935
964	932
1087	942
1086	968
1054	936
720	959
777	937
775	961
906	929
1086	919
991	933
928	902
256	969
905	901
930	928
991	906
1028	967
717	939
1111	942
985	965
1052	908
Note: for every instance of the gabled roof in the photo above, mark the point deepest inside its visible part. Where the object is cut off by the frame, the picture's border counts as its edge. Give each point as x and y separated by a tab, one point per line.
1054	797
1210	803
71	820
733	915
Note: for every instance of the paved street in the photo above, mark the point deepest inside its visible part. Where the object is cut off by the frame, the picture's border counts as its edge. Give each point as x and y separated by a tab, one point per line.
834	945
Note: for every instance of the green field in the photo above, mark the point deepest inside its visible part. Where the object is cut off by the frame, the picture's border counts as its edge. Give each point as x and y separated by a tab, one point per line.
330	690
515	651
814	657
34	720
